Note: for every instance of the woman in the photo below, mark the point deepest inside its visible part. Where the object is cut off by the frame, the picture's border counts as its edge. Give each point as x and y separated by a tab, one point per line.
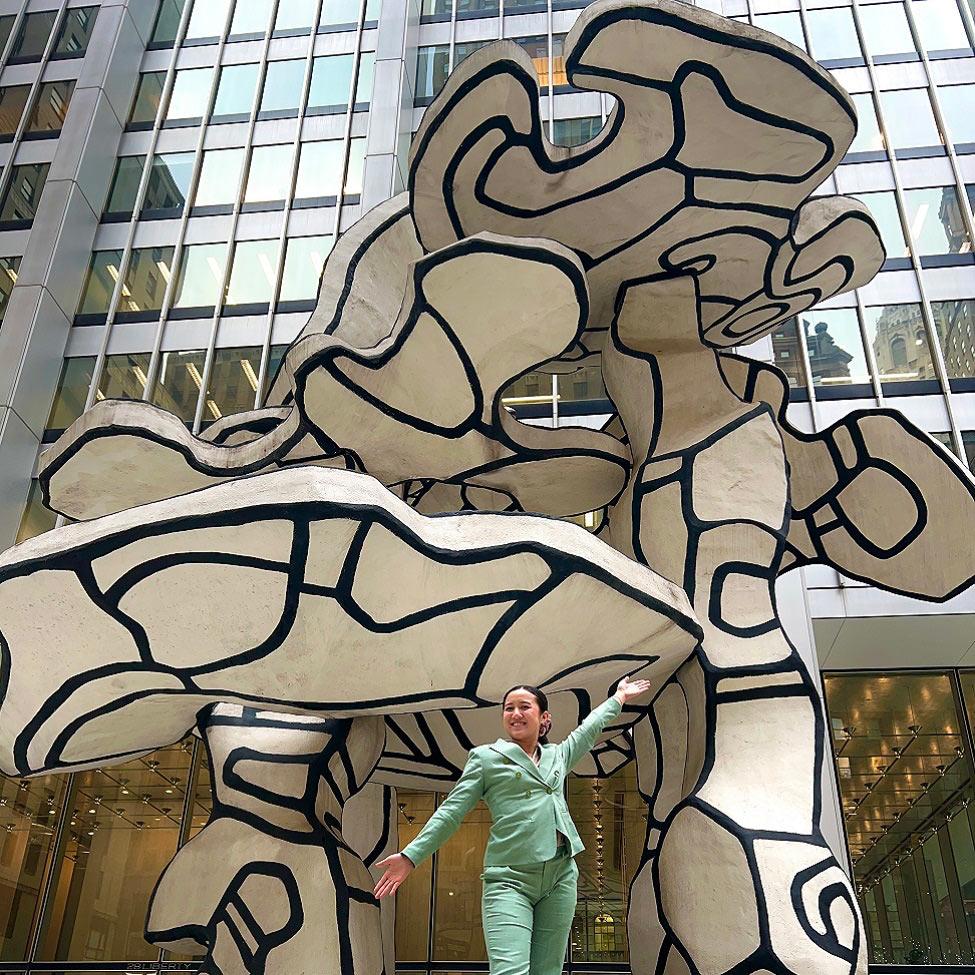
529	880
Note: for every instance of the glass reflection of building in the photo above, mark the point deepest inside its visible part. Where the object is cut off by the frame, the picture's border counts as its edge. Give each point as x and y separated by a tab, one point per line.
203	215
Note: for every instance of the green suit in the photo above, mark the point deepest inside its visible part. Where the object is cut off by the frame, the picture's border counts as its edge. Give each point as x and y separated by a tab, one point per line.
529	892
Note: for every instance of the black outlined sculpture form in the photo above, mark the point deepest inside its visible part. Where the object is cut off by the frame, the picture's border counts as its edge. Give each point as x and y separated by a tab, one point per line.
684	230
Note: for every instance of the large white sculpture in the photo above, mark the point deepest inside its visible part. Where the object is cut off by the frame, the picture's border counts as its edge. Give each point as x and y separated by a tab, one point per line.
356	574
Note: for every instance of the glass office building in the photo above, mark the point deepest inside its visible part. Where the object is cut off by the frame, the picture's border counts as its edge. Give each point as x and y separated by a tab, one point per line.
174	173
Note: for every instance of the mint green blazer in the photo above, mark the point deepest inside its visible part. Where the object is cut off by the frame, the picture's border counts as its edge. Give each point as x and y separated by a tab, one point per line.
527	804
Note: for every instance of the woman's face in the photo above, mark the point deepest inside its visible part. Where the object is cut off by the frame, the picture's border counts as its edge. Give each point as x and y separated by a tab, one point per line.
522	717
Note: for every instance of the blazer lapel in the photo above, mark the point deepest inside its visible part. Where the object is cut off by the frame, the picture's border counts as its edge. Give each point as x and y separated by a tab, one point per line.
516	753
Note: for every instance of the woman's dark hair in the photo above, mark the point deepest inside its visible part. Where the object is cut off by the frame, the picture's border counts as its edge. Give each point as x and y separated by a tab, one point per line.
540	698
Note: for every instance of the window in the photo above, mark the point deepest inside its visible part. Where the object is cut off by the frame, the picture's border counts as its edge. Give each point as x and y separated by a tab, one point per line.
200	277
432	68
936	222
9	266
575	131
179	383
235	93
787	25
251	17
253	274
219	178
124	376
462	51
145	282
188	101
167	23
883	209
331	83
787	352
320	170
269	178
868	137
6	26
282	89
23	195
102	275
207	20
954	322
33	36
295	16
436	8
13	101
36	520
886	31
148	95
899	341
233	382
125	186
363	84
537	50
586	383
169	185
51	108
909	118
345	13
559	78
956	106
303	263
79	22
832	34
478	8
357	159
940	25
72	391
836	355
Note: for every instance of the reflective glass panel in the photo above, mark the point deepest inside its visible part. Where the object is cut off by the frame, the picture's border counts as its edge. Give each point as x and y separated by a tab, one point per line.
274	359
219	177
956	106
955	325
295	15
910	118
53	100
833	34
868	137
788	353
485	8
787	25
207	19
200	278
303	264
124	376
169	183
836	355
936	222
357	158
270	174
251	17
233	382
282	86
336	13
885	29
883	209
583	384
72	391
899	341
13	101
254	272
102	275
559	77
6	26
33	36
24	193
179	383
436	8
167	23
148	95
123	830
319	170
190	93
432	68
535	387
145	281
575	131
940	25
9	266
235	91
363	85
465	49
35	521
905	784
537	50
76	30
413	910
125	184
331	82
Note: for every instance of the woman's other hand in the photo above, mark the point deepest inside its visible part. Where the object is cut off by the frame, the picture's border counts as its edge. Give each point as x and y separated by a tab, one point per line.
398	868
628	689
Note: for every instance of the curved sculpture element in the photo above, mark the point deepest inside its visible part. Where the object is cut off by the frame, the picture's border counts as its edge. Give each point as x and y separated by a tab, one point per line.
720	133
283	584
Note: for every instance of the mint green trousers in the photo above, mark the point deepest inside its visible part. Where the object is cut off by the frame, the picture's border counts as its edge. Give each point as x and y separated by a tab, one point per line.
527	913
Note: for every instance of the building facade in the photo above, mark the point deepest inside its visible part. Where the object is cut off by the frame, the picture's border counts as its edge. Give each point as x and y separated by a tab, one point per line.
174	173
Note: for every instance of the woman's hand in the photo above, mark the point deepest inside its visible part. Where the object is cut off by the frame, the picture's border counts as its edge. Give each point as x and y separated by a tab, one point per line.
398	868
628	689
